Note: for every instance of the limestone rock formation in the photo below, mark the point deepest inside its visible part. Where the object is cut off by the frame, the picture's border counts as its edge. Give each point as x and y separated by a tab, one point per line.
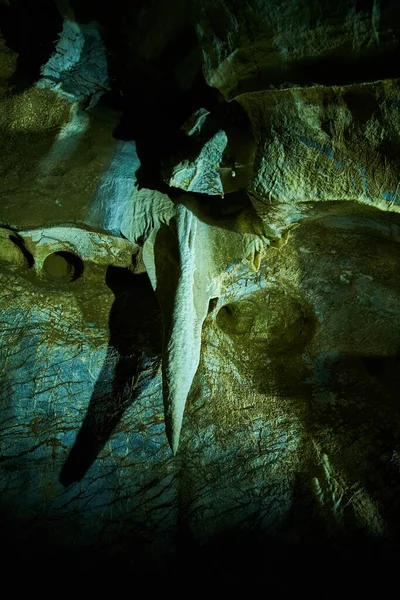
199	249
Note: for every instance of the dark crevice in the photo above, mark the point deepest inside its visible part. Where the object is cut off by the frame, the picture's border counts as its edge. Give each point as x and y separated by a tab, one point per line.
328	71
30	29
19	242
154	101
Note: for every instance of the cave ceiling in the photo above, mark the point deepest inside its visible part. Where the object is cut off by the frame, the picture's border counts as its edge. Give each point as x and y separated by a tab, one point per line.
200	292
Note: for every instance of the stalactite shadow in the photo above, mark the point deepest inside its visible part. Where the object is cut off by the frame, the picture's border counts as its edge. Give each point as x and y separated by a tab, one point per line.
135	334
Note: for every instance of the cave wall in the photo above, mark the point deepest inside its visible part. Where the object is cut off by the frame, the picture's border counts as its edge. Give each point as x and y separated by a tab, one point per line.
199	287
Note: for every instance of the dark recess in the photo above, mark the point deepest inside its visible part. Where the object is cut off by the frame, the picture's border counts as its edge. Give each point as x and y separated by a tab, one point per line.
29	28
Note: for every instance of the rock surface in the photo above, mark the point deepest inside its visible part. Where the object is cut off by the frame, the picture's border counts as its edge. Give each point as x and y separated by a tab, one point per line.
255	319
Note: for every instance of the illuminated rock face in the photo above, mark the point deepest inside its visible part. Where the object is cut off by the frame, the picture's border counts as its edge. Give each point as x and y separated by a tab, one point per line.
235	300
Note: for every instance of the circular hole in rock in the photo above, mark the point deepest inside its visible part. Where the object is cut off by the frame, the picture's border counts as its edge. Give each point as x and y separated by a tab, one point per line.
274	320
63	266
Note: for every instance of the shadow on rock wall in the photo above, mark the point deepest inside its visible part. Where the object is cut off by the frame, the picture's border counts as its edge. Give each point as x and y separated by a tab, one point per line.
135	337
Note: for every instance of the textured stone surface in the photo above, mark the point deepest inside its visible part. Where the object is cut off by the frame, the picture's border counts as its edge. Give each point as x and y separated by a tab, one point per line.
325	144
203	174
264	44
289	450
286	379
